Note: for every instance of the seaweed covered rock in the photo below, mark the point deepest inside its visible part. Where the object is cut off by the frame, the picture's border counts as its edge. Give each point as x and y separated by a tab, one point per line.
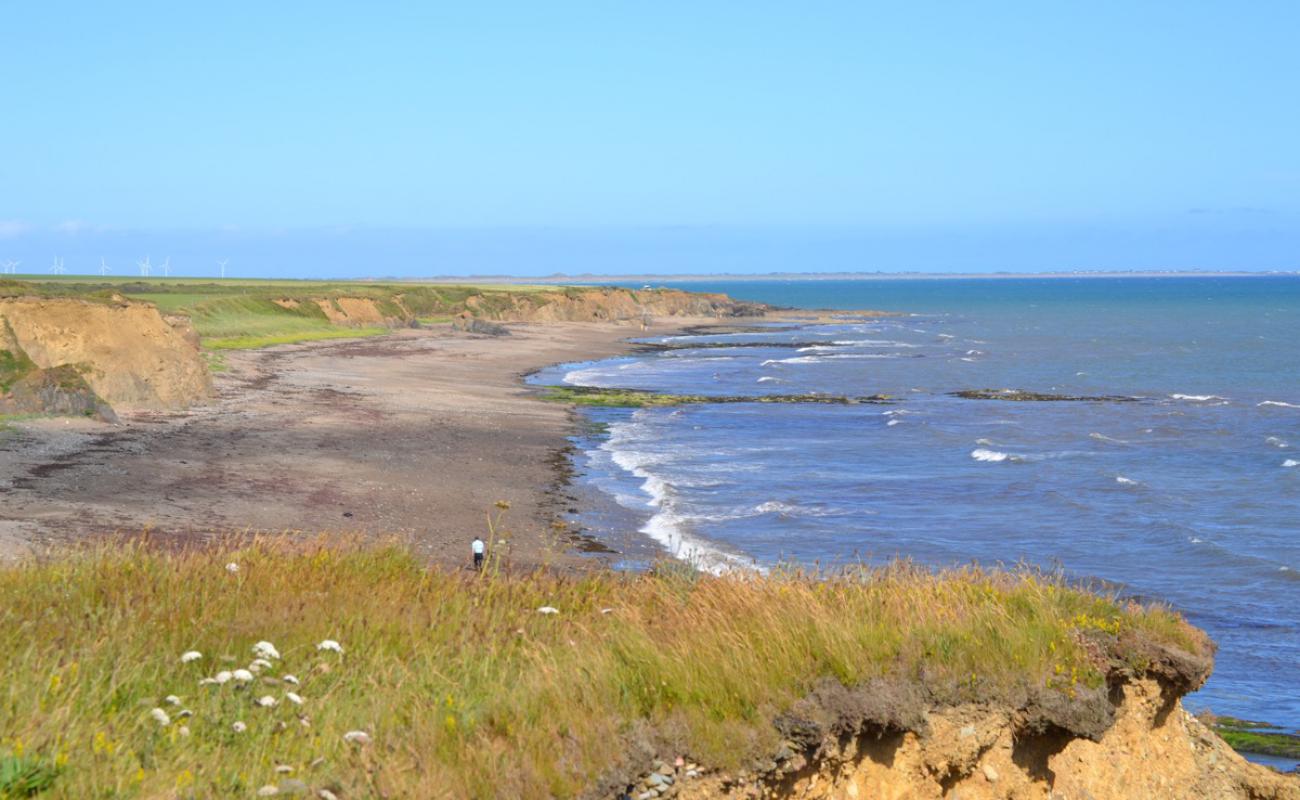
62	391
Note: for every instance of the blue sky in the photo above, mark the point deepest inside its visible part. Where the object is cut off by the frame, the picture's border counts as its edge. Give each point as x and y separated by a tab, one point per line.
330	139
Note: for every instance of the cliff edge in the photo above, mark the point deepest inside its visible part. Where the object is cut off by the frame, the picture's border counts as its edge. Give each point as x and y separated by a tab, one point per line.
129	354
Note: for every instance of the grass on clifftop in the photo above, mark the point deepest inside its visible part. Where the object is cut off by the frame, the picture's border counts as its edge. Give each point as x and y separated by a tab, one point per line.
463	685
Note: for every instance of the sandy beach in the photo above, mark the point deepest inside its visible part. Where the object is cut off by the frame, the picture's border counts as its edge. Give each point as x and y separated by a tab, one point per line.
417	434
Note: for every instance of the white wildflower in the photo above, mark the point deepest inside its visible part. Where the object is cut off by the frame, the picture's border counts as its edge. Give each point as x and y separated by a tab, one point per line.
267	701
239	727
183	730
290	679
326	794
294	698
356	737
284	769
160	717
548	610
191	655
268	791
223	676
607	611
330	644
208	681
242	675
184	713
172	700
232	568
258	665
265	650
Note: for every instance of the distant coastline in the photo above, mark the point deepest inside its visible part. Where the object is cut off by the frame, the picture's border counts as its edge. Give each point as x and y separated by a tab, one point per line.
586	278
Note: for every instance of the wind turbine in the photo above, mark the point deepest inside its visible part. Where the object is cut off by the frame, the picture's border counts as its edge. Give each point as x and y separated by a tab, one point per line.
12	266
222	263
57	268
103	266
145	267
167	267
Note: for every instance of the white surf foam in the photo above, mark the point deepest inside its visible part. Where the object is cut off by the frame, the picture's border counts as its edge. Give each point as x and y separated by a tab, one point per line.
1291	462
1101	437
981	454
985	442
767	379
1120	479
666	526
1277	442
893	422
1197	398
1278	403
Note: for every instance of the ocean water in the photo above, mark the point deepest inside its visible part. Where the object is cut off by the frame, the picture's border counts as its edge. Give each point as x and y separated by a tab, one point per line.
1189	495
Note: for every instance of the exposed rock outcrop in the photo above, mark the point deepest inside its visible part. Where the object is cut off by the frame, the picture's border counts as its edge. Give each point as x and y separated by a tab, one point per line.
1129	739
126	352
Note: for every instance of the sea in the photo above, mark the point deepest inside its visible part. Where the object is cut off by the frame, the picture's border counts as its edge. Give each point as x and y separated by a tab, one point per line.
1188	494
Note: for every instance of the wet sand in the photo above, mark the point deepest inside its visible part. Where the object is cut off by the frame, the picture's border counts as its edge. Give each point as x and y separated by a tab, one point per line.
417	434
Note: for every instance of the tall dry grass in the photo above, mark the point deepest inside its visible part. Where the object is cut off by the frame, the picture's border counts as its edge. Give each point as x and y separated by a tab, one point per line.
464	688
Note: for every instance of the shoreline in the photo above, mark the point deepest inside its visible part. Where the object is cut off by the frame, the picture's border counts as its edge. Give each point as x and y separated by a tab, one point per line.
416	434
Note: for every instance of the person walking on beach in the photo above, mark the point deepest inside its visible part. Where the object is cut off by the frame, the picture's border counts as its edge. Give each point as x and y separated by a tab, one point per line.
477	547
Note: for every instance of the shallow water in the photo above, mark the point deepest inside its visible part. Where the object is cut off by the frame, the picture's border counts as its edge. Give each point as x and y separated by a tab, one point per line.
1190	495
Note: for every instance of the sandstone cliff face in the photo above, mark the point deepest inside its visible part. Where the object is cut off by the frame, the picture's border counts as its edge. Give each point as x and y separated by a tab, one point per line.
129	354
1153	749
605	304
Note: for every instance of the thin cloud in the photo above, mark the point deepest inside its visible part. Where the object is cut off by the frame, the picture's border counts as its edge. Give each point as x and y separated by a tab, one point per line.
13	228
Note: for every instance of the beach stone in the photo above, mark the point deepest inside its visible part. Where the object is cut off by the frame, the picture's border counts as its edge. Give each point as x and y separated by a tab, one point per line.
655	780
664	769
649	794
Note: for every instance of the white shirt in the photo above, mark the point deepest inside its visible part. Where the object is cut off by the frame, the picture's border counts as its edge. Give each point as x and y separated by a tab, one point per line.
478	546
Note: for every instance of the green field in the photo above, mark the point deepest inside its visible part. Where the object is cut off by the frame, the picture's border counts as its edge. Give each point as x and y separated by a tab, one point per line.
243	313
465	687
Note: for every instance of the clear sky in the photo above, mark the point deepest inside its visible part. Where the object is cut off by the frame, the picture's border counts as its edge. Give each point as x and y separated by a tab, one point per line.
348	139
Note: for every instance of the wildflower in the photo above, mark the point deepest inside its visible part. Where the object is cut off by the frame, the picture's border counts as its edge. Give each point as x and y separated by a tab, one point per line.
267	701
258	665
242	675
330	644
284	769
208	681
548	610
160	717
326	794
268	791
294	698
172	700
239	727
224	676
265	650
192	655
290	679
184	713
183	730
232	568
607	611
356	737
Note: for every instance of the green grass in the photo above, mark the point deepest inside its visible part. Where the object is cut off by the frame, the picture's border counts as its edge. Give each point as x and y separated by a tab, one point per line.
241	313
267	340
465	689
